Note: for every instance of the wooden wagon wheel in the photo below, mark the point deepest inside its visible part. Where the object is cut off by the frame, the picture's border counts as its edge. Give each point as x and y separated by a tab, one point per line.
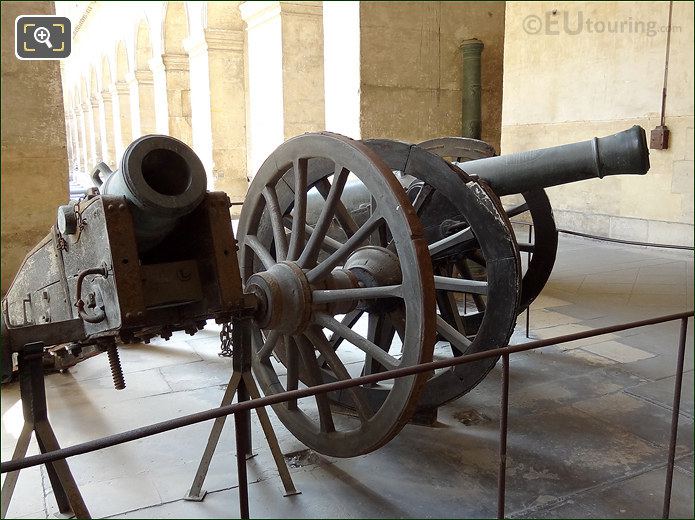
535	206
304	279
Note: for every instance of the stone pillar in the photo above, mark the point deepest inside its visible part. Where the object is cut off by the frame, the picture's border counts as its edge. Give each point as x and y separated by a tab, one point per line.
159	85
285	74
68	137
141	102
82	133
89	135
34	157
109	132
71	136
96	122
220	125
178	96
122	99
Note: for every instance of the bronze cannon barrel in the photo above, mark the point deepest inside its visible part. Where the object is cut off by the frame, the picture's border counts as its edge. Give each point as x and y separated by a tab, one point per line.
162	179
624	153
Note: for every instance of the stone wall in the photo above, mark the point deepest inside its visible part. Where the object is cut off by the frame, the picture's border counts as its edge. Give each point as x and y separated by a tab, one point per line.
411	71
34	155
574	70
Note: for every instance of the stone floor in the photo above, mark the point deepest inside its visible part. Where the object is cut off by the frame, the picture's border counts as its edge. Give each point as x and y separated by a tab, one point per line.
588	421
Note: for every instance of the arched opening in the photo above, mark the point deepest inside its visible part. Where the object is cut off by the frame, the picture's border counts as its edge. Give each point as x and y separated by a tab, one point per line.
143	87
176	70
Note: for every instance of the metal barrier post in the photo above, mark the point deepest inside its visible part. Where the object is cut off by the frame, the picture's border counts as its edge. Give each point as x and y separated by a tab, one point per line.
504	409
675	414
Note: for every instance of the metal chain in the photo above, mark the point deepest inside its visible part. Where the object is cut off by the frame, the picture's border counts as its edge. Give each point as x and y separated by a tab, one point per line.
226	340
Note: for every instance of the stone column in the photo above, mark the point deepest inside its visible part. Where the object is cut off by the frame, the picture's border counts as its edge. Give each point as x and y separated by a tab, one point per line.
109	133
178	96
159	86
69	142
82	133
34	180
71	135
89	135
122	98
228	110
96	122
285	74
141	102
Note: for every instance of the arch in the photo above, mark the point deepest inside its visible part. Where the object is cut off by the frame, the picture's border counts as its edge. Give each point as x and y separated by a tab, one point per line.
175	27
223	15
143	46
121	61
105	73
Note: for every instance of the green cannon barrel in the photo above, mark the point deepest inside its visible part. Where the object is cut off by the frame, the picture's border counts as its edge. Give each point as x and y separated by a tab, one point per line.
624	153
162	179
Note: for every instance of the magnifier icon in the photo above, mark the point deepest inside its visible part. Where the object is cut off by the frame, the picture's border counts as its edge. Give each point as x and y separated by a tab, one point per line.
42	35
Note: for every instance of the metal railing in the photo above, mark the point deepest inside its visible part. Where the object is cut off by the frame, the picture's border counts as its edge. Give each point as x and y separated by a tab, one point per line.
503	352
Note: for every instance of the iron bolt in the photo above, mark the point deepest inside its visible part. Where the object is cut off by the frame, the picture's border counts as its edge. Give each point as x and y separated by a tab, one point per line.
67	220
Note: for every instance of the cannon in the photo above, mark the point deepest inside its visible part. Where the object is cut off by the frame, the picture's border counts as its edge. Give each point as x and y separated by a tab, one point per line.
149	255
331	289
314	210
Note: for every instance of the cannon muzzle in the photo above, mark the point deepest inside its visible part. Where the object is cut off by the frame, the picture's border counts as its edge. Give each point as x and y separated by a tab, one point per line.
162	179
624	153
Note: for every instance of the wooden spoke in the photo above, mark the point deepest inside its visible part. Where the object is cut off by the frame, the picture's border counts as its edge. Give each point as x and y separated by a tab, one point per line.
260	250
315	335
447	283
328	245
313	374
341	212
273	207
517	210
269	344
457	239
299	211
360	342
362	293
453	336
327	265
525	247
465	272
380	331
348	320
397	319
448	308
291	355
310	253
